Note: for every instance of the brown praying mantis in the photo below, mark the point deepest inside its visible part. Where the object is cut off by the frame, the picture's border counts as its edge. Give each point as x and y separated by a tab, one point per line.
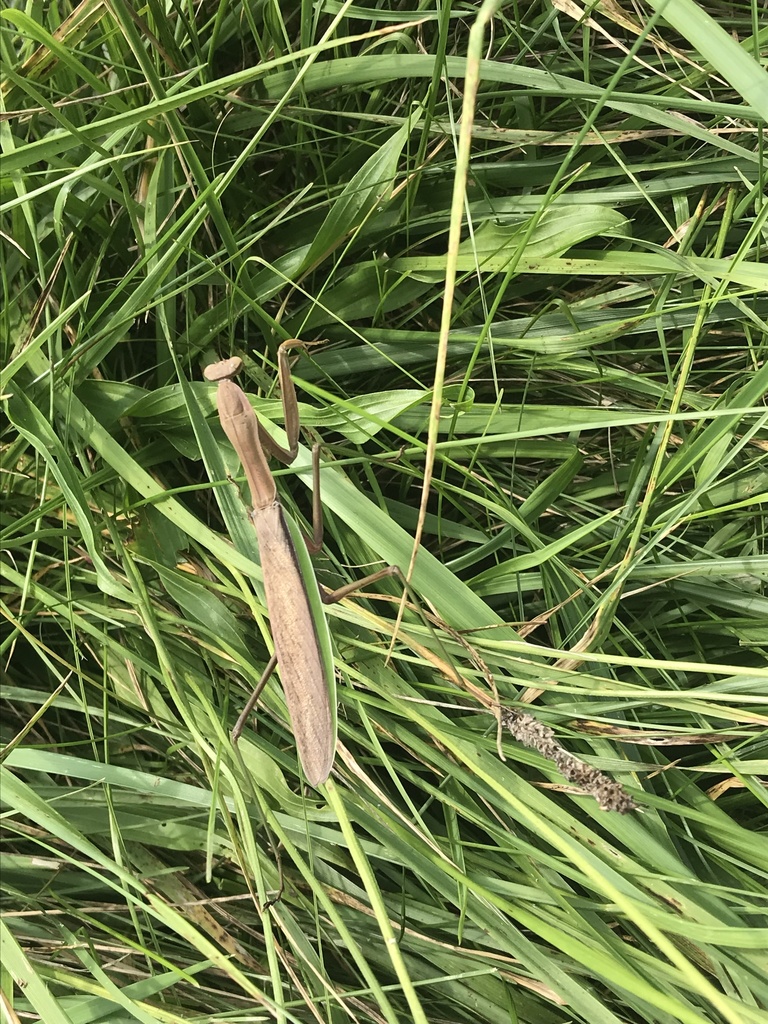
294	599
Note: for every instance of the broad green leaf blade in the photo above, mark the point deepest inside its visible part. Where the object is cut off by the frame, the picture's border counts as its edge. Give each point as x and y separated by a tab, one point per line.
370	186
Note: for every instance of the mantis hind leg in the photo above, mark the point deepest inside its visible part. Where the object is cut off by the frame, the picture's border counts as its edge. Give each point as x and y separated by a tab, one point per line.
332	596
253	699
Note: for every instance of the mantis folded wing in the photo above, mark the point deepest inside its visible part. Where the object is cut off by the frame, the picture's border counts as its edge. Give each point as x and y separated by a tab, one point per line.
303	649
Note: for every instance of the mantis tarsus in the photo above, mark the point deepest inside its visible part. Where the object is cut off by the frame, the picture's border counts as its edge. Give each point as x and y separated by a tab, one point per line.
303	649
